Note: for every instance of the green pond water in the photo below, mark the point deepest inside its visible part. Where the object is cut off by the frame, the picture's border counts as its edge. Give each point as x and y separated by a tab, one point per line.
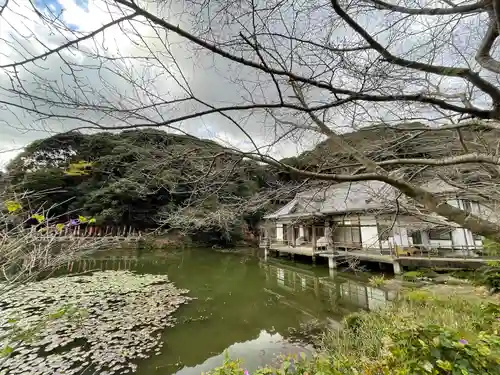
244	305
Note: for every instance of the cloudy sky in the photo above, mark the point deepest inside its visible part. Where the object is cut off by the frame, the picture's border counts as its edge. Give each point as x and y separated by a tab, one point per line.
79	74
135	73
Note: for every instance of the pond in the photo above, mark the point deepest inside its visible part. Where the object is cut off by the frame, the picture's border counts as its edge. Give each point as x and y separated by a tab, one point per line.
251	308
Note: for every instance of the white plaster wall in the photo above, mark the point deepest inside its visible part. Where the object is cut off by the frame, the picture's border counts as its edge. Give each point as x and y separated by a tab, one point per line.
301	231
462	237
369	232
279	232
369	237
425	238
458	238
400	236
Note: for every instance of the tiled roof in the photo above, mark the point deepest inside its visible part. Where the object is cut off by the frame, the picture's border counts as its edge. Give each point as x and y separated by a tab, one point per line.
341	198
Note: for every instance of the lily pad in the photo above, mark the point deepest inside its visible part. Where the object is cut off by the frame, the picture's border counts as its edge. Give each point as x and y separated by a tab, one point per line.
116	319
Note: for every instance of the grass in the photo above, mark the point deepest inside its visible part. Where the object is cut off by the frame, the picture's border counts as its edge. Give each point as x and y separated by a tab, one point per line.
367	331
421	333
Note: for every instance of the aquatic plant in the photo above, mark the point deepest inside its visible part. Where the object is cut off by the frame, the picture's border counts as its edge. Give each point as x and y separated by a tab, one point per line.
377	280
125	314
412	275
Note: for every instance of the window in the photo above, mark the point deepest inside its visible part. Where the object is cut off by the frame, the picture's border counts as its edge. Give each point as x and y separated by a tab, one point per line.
272	232
384	232
440	234
347	235
467	206
320	232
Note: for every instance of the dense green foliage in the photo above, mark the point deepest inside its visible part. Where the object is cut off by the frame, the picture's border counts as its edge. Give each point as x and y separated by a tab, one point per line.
419	334
489	276
140	178
491	248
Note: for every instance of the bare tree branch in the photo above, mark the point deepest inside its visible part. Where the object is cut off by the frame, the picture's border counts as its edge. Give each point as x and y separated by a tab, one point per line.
461	9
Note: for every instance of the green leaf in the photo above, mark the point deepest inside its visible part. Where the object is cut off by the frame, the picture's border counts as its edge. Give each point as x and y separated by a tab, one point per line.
12	206
428	366
59	227
38	217
445	365
58	314
80	168
6	351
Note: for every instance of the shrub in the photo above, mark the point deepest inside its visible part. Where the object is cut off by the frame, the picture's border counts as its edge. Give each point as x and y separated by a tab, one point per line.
353	321
419	334
489	275
412	275
417	295
490	247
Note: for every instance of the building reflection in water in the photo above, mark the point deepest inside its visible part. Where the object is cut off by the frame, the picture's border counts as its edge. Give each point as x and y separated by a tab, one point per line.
340	290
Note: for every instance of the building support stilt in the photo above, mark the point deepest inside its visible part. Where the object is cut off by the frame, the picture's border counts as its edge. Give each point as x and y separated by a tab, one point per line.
332	263
398	270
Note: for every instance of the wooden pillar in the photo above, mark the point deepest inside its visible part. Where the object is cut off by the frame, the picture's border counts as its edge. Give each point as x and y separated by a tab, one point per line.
293	235
313	239
328	236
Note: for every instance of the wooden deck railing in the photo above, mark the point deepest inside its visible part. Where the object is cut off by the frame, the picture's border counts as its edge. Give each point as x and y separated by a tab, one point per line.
420	250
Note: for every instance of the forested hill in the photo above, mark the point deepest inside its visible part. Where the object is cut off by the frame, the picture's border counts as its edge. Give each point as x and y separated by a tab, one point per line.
148	178
404	141
142	178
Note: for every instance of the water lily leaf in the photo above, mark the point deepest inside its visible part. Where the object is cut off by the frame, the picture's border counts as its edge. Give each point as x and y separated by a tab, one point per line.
116	314
6	351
